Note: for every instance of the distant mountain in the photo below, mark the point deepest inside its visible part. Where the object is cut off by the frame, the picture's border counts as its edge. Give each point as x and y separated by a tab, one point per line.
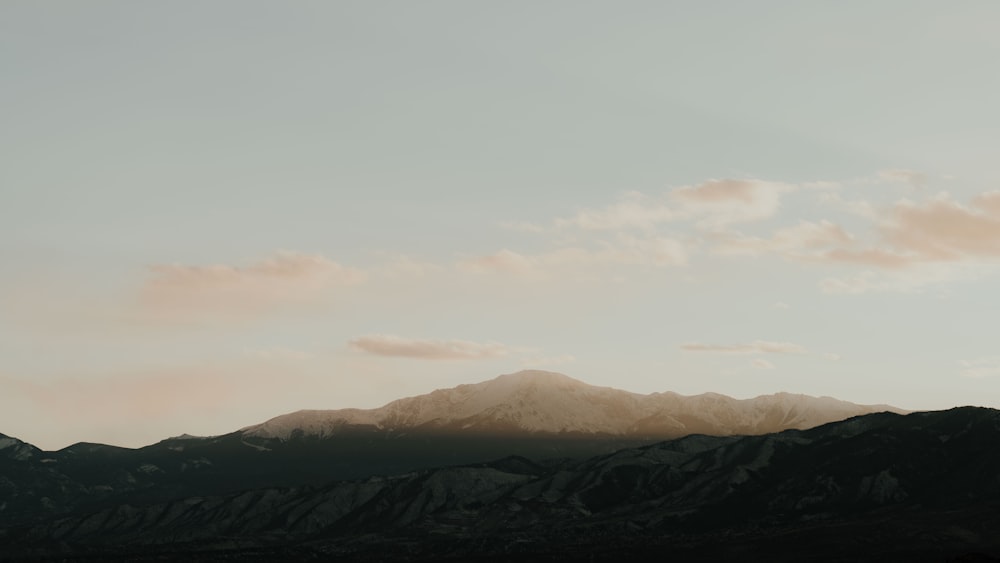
533	414
538	402
880	487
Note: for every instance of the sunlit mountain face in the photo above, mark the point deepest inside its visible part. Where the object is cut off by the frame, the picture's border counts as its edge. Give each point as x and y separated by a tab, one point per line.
540	402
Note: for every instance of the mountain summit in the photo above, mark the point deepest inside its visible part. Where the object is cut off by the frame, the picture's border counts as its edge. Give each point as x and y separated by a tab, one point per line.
534	401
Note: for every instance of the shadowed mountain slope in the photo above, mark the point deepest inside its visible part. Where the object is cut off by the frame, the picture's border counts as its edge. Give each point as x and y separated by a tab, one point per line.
881	487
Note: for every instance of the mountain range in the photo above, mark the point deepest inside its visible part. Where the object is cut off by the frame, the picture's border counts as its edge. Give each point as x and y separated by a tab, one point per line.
542	402
532	465
536	414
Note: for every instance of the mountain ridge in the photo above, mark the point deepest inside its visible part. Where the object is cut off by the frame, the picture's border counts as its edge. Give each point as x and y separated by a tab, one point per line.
535	415
536	401
878	487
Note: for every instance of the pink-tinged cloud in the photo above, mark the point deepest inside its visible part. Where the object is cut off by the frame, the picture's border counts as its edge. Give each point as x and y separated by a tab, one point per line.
945	230
755	347
921	243
424	349
712	191
718	203
988	202
761	363
713	204
181	291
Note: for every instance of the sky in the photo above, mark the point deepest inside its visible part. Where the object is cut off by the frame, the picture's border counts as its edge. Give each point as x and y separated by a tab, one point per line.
215	213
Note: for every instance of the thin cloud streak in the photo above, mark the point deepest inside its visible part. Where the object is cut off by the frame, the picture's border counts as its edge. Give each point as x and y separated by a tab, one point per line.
399	347
182	292
981	367
625	250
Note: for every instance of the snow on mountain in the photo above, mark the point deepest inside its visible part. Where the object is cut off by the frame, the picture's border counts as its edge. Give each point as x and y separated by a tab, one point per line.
540	401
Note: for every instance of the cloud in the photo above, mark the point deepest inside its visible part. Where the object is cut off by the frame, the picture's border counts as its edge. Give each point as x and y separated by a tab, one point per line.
781	305
397	346
831	357
918	244
635	211
790	241
181	291
988	202
942	229
876	257
718	203
625	249
505	260
904	238
980	367
859	207
714	204
761	363
937	230
401	266
911	177
755	347
913	279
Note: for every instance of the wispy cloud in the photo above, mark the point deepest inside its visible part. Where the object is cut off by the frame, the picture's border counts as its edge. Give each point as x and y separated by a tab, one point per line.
942	229
797	242
176	291
761	363
718	203
936	230
981	367
714	204
755	347
625	249
424	349
911	177
636	210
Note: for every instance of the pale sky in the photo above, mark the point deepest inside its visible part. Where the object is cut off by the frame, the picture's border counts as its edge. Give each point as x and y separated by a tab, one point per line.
212	213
